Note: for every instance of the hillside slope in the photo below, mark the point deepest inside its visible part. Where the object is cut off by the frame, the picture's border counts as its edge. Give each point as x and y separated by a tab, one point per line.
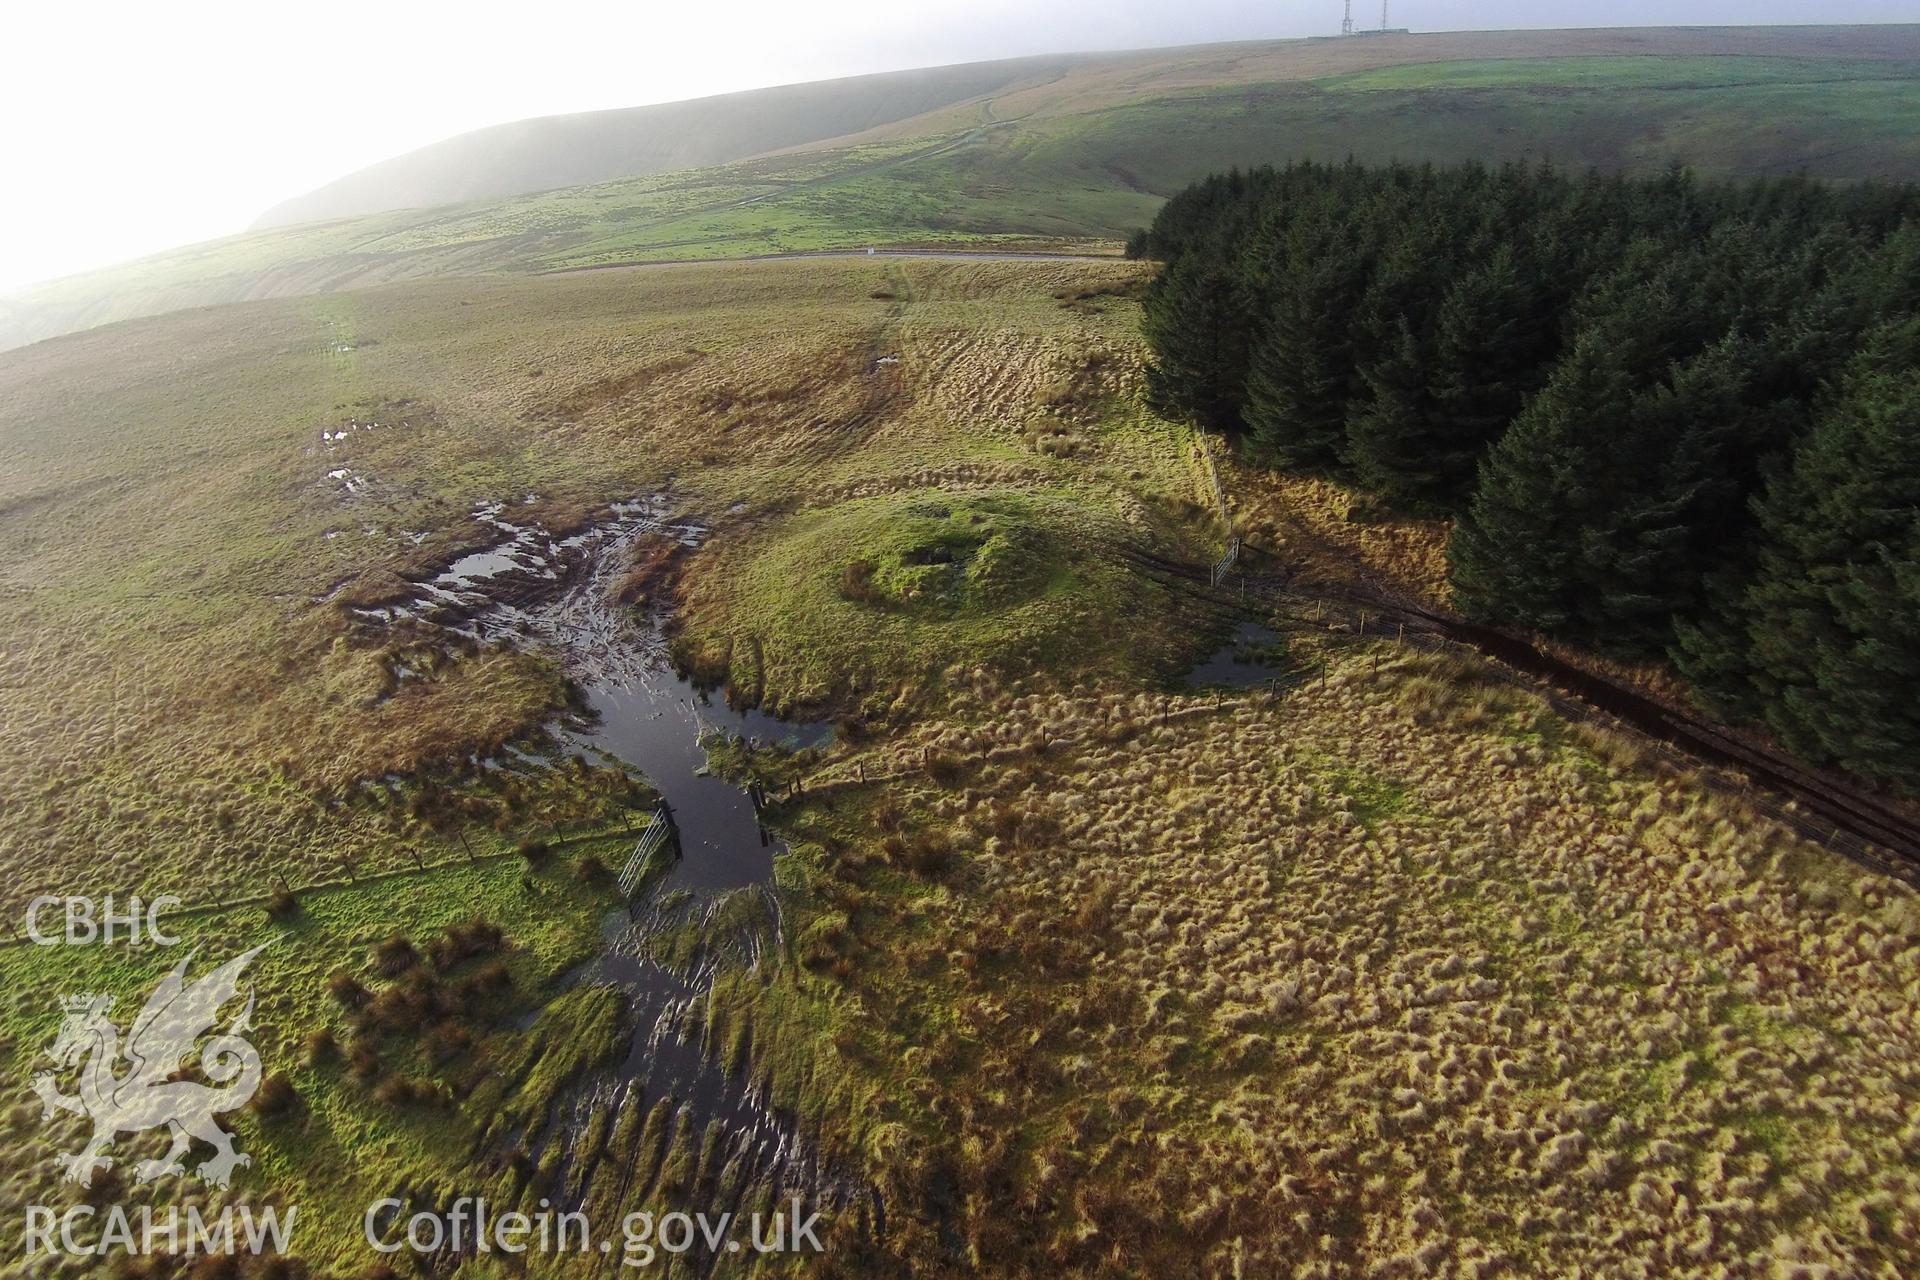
1089	153
578	150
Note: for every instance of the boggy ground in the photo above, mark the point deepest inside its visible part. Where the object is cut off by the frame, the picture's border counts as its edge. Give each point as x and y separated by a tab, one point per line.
199	509
194	506
1385	972
1389	974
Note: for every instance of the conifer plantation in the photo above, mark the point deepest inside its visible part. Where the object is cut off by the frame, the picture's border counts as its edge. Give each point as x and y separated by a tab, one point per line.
1669	417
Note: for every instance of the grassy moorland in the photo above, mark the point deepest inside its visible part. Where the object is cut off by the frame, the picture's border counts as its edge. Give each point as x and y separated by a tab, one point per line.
880	591
379	1016
197	503
570	151
1086	974
1392	974
194	504
550	152
1085	149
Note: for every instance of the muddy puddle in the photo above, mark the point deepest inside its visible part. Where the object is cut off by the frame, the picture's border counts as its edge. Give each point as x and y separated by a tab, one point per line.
556	595
752	1153
1253	654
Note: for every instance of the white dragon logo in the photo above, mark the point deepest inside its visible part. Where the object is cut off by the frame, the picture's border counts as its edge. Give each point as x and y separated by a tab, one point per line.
146	1097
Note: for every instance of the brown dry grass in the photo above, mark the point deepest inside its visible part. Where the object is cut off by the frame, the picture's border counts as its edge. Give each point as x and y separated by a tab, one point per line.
653	569
181	678
1393	975
1335	985
1330	534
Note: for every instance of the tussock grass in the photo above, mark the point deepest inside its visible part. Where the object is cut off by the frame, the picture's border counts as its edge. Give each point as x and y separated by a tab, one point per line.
383	1094
1393	973
199	692
1433	984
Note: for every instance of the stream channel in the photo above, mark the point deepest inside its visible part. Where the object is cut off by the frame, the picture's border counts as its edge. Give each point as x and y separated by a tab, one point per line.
557	595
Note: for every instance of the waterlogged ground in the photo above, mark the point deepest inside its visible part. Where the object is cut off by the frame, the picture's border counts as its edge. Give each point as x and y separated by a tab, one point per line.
336	658
1253	654
181	663
560	595
1115	934
656	1104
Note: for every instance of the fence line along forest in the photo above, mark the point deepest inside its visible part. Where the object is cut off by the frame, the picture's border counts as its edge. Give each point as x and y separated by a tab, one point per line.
1670	418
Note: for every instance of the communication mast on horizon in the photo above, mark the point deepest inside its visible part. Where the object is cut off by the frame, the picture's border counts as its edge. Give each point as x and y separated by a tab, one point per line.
1347	27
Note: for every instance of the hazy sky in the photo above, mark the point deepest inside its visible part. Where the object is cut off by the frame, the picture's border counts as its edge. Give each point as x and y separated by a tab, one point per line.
130	127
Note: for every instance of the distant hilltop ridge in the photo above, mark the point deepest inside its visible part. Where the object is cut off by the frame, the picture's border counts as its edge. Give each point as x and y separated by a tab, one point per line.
579	150
1072	150
550	152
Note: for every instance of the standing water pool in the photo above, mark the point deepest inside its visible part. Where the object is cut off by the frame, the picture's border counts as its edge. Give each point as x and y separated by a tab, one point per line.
557	595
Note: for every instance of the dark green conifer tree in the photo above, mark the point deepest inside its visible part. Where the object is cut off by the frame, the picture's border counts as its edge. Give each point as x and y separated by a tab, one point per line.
1493	340
1196	319
1301	373
1391	447
1823	642
1516	552
1599	512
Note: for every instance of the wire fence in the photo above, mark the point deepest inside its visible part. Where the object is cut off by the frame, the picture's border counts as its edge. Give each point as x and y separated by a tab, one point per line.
640	861
13	933
1225	563
1210	479
1820	810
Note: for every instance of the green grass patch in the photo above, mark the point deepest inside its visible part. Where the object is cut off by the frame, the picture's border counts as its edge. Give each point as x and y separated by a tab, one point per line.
1073	164
345	1139
879	594
1608	72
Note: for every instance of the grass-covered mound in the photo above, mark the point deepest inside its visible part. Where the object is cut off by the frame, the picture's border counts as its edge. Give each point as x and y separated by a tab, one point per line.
180	698
938	559
869	600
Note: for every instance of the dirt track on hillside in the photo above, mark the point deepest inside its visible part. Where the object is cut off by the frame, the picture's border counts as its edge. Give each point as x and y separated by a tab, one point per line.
936	255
